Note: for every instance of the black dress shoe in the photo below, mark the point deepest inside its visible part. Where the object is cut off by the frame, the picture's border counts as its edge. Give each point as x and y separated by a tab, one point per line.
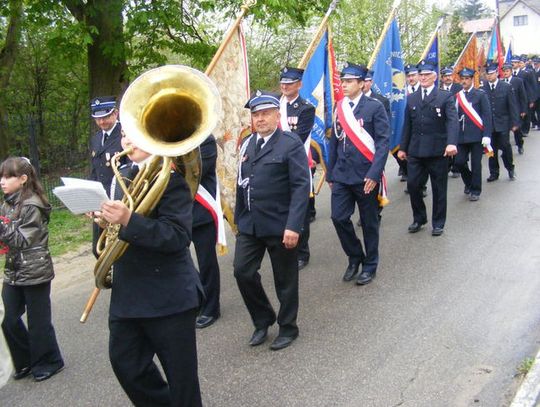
512	175
312	219
19	374
415	226
302	264
403	178
520	150
258	337
492	178
437	231
365	277
474	197
204	321
39	377
467	191
424	192
455	174
281	342
359	223
351	271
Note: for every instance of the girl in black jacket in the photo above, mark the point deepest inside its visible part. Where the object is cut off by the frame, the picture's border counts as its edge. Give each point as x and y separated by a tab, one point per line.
28	272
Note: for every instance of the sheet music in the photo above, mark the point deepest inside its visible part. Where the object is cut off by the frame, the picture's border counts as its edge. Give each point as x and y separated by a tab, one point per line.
81	195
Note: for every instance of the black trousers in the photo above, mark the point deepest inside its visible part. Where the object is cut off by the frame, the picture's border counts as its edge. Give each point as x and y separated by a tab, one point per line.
420	168
343	201
133	342
204	240
36	346
518	137
536	116
402	164
303	243
472	178
248	255
500	141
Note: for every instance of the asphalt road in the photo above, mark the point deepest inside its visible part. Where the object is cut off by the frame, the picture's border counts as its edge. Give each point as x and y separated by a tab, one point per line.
446	322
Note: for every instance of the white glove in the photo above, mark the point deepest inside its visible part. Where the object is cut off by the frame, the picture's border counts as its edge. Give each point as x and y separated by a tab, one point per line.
486	141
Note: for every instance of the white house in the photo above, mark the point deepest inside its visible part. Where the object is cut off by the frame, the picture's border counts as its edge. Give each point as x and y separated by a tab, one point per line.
520	23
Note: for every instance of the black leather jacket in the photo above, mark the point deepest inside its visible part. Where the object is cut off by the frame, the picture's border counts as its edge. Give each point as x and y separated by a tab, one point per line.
28	261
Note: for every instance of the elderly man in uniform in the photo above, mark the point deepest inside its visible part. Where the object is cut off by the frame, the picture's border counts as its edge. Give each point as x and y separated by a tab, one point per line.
474	113
104	145
297	116
519	70
271	203
521	98
430	136
505	117
357	155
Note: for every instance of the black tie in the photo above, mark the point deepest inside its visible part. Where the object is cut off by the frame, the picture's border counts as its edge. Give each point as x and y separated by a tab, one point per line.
351	104
492	87
105	137
425	94
259	145
514	73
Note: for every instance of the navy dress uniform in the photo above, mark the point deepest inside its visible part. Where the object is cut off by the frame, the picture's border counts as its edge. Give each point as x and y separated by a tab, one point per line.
299	117
156	293
536	71
530	88
453	88
103	146
472	136
348	170
521	98
204	237
272	197
411	69
430	125
505	116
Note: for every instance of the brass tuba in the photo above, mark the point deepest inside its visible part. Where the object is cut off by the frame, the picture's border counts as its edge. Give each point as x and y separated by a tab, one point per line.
167	111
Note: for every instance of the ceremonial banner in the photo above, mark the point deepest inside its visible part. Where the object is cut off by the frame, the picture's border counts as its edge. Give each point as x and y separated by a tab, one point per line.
495	52
389	80
509	55
231	75
468	59
321	86
432	53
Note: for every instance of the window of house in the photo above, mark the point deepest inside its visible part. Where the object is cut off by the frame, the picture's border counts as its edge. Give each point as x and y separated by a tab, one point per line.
520	20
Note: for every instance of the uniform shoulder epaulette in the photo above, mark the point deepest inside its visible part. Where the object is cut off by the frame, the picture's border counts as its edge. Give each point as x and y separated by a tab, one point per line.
307	102
481	90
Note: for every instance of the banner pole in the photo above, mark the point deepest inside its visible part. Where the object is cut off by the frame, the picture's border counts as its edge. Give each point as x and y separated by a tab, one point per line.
383	34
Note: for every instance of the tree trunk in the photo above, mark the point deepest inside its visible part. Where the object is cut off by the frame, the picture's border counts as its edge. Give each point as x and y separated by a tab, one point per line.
107	66
8	55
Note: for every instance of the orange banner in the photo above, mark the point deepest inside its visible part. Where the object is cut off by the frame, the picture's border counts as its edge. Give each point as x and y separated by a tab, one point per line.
468	59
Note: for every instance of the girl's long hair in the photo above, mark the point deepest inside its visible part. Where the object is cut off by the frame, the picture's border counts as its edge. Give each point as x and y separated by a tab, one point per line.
18	166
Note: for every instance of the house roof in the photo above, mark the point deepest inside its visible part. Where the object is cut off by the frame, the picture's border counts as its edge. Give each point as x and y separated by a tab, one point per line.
481	25
534	5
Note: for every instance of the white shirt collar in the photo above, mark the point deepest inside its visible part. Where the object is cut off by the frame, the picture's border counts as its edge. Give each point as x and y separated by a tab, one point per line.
292	101
354	101
428	90
266	138
368	93
491	84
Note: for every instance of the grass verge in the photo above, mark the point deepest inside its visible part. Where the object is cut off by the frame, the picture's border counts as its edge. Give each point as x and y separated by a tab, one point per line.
67	232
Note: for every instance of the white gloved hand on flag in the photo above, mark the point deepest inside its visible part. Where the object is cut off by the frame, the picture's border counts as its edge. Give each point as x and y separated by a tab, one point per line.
486	141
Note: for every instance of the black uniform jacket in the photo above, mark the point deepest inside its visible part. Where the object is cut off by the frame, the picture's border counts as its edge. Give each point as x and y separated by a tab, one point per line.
520	93
530	84
504	107
430	125
301	115
102	154
156	276
278	192
208	149
384	101
346	164
468	131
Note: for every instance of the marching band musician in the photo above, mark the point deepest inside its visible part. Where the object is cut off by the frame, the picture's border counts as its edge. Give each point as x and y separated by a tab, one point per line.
155	295
104	145
297	116
358	152
271	203
474	114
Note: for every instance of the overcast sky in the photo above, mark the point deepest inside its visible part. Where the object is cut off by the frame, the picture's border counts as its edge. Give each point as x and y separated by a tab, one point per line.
489	3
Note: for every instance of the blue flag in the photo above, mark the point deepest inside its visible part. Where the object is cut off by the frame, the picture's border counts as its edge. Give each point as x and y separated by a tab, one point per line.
433	55
509	55
389	80
318	88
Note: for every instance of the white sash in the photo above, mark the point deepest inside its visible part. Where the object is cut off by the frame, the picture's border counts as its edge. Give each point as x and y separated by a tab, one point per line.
283	112
461	100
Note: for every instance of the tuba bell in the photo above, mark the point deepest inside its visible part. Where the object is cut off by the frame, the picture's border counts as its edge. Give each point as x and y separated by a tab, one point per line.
167	111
